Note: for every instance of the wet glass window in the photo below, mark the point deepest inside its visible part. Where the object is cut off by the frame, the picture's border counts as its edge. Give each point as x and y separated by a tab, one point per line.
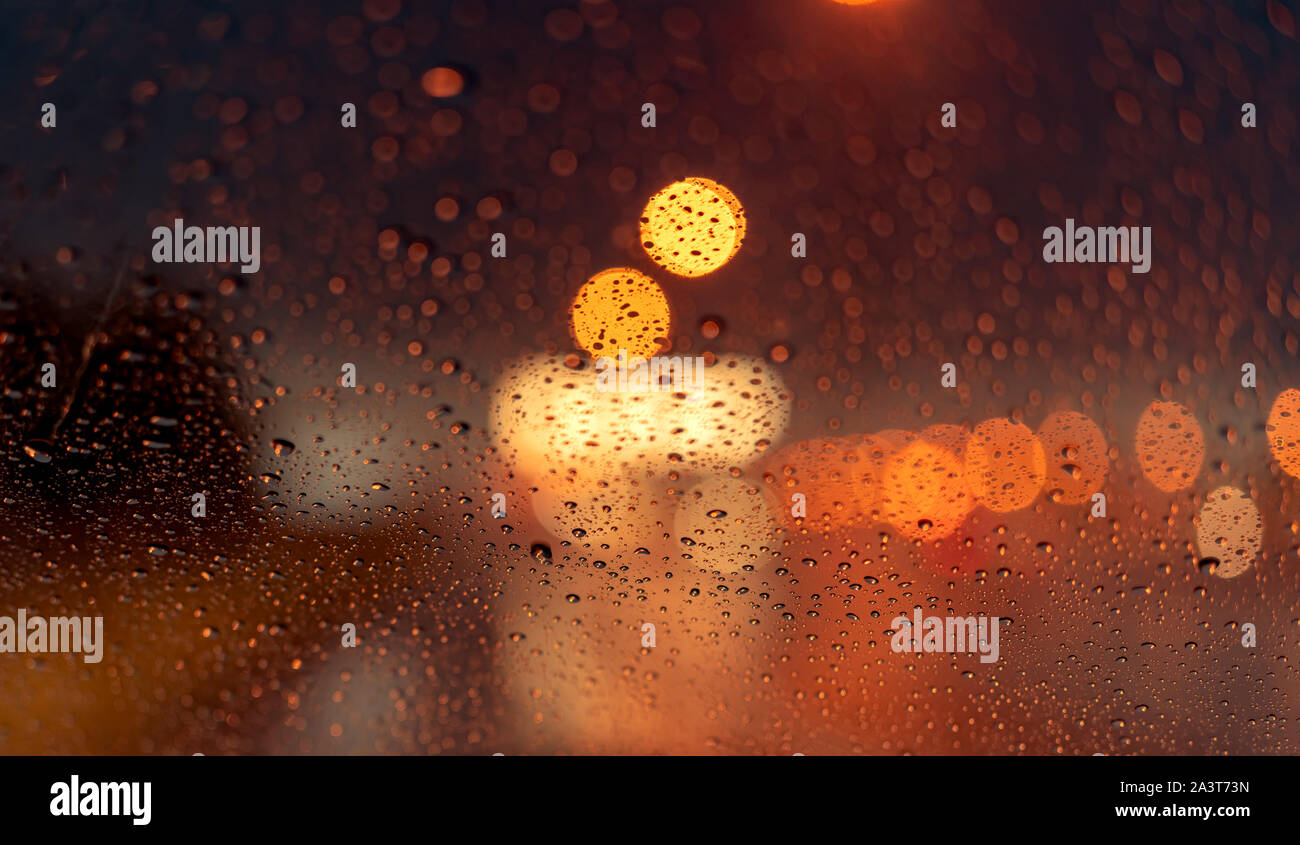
614	377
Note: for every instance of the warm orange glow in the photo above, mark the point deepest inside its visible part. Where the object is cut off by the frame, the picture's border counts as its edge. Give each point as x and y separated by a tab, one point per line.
838	476
620	309
1229	529
1077	463
1005	465
692	227
1284	431
922	494
1170	446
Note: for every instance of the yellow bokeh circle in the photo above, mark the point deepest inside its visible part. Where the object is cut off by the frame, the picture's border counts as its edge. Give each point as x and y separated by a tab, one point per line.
1284	431
620	309
692	227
